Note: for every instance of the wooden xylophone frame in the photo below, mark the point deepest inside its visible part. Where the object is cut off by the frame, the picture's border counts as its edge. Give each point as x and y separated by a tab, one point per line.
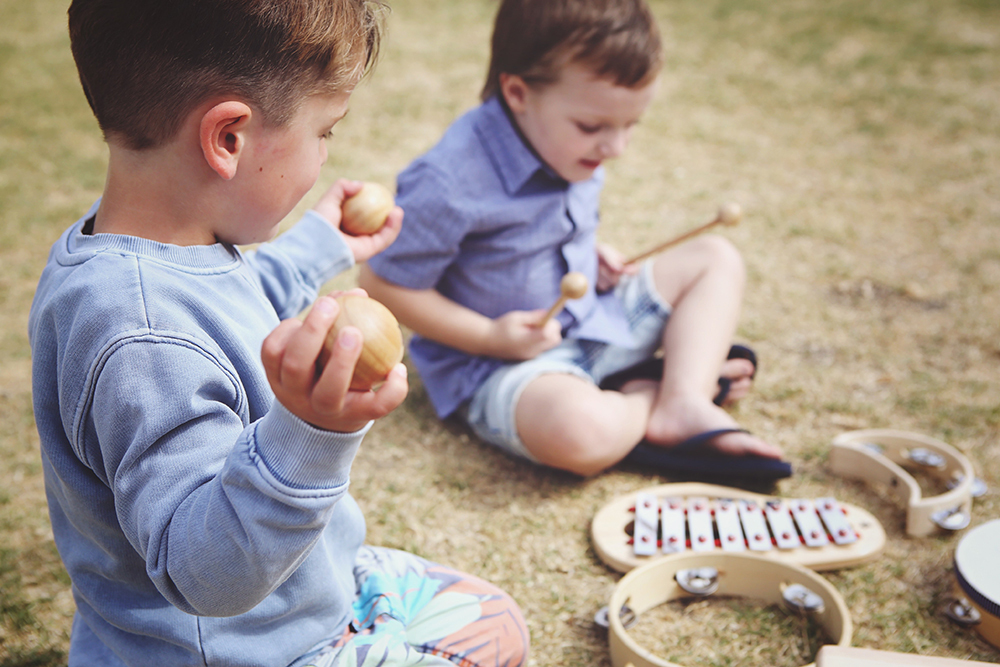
612	541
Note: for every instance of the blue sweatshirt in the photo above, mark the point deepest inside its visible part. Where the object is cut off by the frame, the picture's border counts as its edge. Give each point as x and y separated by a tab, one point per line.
201	523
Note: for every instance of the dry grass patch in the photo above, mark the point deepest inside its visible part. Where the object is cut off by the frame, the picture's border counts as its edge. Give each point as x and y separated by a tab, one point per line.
863	142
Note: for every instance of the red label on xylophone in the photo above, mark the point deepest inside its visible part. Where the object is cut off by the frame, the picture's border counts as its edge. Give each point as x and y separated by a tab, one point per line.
811	528
782	526
674	525
727	520
700	524
835	519
646	520
754	526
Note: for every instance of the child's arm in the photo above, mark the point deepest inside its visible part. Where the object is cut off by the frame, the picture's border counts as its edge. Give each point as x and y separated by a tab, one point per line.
294	266
223	511
514	335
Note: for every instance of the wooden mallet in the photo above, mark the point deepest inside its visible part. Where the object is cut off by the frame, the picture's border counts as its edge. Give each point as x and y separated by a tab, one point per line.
572	286
729	215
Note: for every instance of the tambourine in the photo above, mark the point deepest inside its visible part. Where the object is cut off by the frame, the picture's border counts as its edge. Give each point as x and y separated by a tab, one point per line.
654	522
725	574
978	582
846	656
881	455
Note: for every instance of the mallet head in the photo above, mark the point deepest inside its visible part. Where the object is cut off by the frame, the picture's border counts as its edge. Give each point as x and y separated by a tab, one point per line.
573	285
730	214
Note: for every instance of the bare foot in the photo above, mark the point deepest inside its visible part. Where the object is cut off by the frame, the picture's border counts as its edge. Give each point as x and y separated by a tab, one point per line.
682	416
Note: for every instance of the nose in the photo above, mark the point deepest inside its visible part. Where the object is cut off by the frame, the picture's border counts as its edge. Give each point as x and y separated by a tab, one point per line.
613	143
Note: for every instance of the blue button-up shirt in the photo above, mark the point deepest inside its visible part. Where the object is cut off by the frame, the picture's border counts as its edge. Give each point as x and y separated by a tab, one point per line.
493	228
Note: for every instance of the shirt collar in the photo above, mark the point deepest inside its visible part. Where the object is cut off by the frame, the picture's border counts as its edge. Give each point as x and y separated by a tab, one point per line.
515	161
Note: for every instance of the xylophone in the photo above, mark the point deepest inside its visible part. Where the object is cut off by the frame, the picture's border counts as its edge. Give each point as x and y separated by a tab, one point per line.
651	523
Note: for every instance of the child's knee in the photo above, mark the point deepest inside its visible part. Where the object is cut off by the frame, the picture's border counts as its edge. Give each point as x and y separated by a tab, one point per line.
720	252
588	443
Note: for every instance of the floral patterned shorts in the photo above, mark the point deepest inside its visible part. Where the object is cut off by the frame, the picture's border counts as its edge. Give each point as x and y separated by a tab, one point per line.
410	611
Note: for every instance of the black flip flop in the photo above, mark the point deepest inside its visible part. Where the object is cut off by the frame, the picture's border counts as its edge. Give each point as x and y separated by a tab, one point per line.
735	352
652	369
692	458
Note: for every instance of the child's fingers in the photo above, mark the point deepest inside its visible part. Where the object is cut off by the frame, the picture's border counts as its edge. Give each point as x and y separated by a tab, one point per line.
329	392
331	201
392	392
390	230
273	349
349	187
299	361
354	290
367	405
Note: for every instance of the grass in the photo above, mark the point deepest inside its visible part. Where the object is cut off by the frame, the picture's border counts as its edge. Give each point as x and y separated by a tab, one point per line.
863	142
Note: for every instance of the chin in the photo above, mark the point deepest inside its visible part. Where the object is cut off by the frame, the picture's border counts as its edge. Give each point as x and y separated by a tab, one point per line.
579	175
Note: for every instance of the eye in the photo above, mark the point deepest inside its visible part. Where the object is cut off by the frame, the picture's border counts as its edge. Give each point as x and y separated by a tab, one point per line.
588	129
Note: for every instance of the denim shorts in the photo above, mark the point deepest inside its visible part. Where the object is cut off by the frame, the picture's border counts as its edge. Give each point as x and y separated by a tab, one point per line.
491	410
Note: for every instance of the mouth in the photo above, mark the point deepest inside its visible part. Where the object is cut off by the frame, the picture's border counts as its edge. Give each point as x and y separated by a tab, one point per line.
590	164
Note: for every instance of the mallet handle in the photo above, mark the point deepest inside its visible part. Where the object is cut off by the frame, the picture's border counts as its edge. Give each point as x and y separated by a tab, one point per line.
572	286
728	215
556	307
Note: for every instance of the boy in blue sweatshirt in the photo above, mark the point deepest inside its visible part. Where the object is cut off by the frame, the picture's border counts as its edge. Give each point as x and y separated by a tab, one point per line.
198	496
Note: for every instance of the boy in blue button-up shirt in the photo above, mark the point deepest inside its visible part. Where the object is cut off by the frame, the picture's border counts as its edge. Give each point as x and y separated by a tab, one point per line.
505	205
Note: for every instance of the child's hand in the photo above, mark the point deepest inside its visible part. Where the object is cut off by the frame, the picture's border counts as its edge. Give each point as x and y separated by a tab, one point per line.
611	267
517	336
289	355
364	247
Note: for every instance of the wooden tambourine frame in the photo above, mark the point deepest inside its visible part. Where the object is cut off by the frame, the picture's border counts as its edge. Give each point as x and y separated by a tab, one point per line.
877	456
846	656
610	526
740	575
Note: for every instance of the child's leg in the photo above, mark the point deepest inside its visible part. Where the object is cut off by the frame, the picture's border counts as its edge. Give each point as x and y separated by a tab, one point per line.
703	280
410	611
567	422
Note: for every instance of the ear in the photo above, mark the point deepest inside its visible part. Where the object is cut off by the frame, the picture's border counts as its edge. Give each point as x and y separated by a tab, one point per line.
223	136
514	90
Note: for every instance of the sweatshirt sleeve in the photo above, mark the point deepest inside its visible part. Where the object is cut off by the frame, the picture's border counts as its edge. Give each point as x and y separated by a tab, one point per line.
221	512
294	266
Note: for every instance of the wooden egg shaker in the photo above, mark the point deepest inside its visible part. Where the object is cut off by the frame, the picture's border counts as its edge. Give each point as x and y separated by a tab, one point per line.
383	340
365	212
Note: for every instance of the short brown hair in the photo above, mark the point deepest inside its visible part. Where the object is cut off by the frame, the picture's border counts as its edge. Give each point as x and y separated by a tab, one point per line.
146	64
535	39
